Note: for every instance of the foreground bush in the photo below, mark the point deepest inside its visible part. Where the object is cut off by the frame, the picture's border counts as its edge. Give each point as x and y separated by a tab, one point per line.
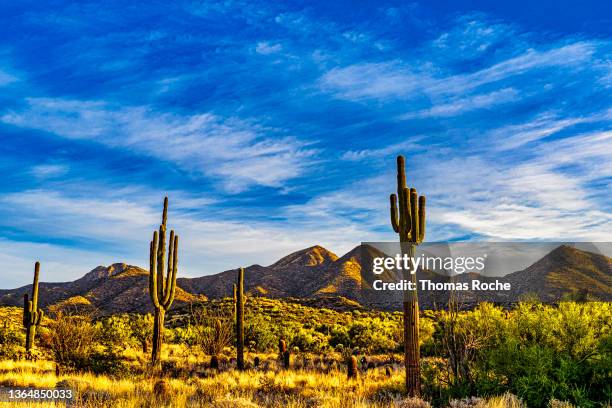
537	352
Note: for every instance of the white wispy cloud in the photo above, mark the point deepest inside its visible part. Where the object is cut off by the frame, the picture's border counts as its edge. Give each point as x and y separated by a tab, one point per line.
399	79
409	144
235	152
533	198
543	125
472	35
6	78
462	105
45	171
267	48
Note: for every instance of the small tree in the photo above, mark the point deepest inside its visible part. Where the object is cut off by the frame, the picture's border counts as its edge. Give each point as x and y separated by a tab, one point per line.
142	329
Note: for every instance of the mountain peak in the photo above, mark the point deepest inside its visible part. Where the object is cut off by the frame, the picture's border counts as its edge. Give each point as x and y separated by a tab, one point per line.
313	256
101	272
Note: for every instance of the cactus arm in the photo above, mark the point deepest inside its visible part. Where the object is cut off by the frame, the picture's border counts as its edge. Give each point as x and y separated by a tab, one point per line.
161	261
153	271
171	288
39	317
421	218
394	220
170	264
31	312
406	219
414	231
26	310
401	173
165	211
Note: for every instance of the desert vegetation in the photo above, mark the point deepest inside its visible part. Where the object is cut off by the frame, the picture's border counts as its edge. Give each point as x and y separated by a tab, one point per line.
534	353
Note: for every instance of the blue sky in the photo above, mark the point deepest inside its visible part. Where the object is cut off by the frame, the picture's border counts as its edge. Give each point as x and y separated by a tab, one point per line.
274	126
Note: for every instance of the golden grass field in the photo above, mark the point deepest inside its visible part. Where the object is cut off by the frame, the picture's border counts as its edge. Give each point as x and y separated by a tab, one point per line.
231	388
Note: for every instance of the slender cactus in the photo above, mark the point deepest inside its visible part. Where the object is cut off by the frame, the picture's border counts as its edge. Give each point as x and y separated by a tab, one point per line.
284	353
351	367
162	288
235	293
240	320
32	316
408	221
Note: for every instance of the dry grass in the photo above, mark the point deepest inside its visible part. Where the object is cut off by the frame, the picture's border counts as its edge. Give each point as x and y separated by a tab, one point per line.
294	388
270	388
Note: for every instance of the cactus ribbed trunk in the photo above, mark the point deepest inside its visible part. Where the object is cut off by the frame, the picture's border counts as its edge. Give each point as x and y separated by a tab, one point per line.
408	221
235	293
411	336
162	286
240	320
158	336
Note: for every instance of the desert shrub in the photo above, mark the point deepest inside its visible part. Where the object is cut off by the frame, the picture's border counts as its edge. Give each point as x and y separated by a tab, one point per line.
11	341
78	343
339	336
72	339
259	332
107	362
213	338
309	340
535	351
412	402
115	332
372	335
181	335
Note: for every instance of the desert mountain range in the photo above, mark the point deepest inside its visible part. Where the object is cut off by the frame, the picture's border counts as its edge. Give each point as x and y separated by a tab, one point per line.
317	275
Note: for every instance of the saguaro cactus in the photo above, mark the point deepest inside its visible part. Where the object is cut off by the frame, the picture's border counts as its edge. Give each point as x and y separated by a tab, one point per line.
162	288
240	320
32	316
351	367
408	221
284	353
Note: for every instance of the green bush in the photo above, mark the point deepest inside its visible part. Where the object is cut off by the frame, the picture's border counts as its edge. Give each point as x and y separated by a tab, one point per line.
259	332
535	351
11	341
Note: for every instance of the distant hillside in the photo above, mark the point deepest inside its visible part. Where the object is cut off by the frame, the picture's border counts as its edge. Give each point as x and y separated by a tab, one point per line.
319	277
113	289
566	270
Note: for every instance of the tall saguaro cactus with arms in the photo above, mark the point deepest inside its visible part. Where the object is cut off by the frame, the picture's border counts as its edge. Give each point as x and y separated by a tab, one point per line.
32	316
408	221
162	281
